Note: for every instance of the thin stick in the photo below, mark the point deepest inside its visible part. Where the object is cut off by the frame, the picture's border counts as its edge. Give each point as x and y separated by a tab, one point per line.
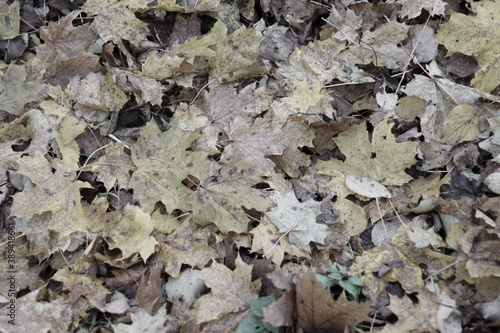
381	217
411	55
446	267
399	218
88	159
199	92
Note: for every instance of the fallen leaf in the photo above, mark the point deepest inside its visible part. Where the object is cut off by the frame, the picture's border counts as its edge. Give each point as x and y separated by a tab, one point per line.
461	124
15	92
474	35
301	225
222	200
316	309
230	291
412	315
188	245
375	159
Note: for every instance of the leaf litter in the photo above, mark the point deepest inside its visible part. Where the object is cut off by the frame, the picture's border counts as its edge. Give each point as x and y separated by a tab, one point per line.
205	166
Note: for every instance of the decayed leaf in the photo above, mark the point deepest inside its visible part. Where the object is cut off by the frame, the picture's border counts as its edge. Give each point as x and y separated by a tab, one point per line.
64	40
265	240
475	35
188	245
163	163
243	46
461	124
413	8
230	291
82	285
221	201
412	315
133	233
144	322
10	18
366	187
298	220
15	92
316	309
305	95
97	92
382	159
35	316
54	192
263	137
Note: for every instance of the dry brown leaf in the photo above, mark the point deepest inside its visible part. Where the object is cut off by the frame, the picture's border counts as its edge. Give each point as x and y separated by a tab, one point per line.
316	309
230	291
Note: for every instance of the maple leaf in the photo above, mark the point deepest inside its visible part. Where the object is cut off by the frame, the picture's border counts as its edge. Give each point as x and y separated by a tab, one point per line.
84	286
265	238
15	92
442	95
316	309
376	159
237	56
54	192
163	162
298	220
142	321
221	201
310	63
65	41
188	245
421	314
254	142
133	233
10	15
474	35
230	291
413	8
121	13
36	316
97	92
383	46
